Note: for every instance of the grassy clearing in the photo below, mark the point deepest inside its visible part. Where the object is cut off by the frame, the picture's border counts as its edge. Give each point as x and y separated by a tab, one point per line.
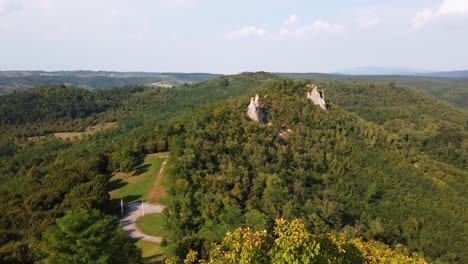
151	224
152	252
135	185
77	136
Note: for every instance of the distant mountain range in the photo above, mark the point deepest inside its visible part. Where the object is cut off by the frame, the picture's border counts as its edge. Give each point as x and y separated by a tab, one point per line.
447	74
402	71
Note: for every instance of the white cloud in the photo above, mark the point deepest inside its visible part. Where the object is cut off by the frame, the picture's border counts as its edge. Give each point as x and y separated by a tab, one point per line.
249	31
446	10
453	7
367	18
422	17
318	26
288	29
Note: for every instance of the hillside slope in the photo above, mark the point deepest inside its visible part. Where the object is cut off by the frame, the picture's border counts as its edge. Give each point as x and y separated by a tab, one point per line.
427	124
332	169
451	90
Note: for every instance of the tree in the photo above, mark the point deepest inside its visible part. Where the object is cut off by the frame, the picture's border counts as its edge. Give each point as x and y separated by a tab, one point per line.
87	236
292	243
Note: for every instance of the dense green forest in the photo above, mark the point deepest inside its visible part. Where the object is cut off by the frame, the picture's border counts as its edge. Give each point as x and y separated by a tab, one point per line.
430	125
452	90
348	172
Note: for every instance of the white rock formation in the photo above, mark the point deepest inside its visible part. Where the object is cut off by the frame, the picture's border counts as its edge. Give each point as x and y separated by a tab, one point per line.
317	97
255	110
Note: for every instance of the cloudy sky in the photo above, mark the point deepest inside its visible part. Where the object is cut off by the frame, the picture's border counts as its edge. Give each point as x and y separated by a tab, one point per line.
224	36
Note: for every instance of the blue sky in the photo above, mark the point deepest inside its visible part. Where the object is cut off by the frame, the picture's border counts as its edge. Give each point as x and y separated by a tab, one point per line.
232	36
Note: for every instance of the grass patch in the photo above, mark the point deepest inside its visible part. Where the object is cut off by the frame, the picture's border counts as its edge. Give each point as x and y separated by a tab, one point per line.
151	224
151	252
77	136
134	185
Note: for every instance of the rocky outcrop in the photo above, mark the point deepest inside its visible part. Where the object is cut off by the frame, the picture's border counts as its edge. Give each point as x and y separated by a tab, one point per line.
255	110
317	97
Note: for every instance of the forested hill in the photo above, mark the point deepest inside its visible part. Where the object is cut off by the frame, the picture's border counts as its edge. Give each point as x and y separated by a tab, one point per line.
332	169
451	90
431	126
59	102
60	108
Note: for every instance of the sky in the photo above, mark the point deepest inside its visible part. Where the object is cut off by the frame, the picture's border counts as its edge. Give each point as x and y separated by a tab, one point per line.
221	36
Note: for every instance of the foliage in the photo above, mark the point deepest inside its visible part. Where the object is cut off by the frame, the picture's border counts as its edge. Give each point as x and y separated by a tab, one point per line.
451	90
87	237
292	243
427	124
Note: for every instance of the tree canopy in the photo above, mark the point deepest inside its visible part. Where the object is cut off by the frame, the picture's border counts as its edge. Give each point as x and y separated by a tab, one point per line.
87	236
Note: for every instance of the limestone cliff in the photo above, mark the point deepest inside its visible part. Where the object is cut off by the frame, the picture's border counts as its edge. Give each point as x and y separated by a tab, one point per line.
317	97
255	110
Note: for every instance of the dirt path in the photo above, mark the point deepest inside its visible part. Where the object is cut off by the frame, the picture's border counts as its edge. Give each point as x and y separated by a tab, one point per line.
158	192
134	211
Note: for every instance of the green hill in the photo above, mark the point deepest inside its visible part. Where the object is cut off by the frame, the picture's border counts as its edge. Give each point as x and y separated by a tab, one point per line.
429	125
451	90
333	169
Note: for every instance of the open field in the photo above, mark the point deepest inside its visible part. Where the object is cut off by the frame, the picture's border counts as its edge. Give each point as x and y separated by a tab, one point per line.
77	136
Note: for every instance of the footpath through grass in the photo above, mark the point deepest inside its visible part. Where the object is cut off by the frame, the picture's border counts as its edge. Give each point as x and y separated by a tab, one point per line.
135	185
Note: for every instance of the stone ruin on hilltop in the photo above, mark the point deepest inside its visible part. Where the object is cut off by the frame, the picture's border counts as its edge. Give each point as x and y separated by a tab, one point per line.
317	96
255	110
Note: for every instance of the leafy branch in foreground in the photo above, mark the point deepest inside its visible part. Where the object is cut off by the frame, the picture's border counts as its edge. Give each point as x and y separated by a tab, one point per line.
292	243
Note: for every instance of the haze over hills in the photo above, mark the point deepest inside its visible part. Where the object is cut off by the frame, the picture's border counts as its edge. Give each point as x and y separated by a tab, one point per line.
402	71
11	81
